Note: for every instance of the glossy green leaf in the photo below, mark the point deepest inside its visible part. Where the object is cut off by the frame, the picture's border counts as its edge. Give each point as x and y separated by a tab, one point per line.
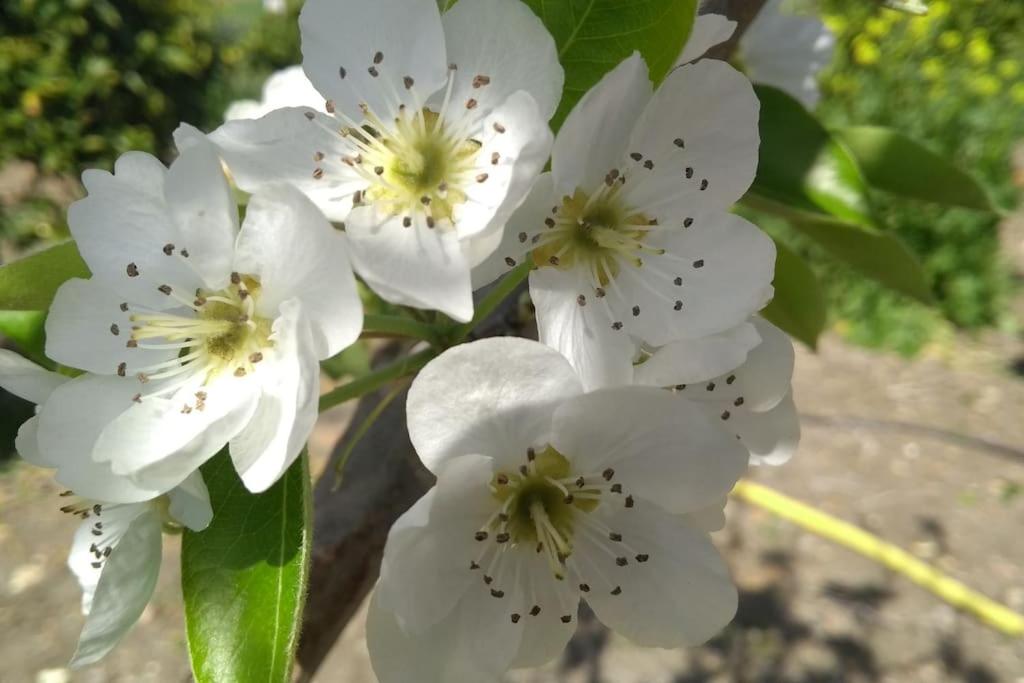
879	255
244	577
799	305
895	163
803	167
29	284
593	36
25	328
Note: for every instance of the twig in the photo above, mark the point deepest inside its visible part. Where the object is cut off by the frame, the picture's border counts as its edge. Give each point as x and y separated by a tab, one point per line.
893	558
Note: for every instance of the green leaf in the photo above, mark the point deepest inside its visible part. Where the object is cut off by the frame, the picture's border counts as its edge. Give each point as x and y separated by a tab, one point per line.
593	36
29	284
798	306
244	577
895	163
26	329
803	167
879	255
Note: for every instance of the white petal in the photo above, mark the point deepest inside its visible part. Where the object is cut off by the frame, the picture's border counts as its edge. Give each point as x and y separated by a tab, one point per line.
283	147
506	44
416	266
394	38
545	635
762	381
86	558
70	423
125	587
697	360
88	329
492	397
724	267
771	436
25	379
712	110
123	226
658	447
709	519
708	30
787	52
508	162
295	252
202	206
429	657
682	595
288	87
159	445
600	354
426	565
26	443
189	503
517	235
290	383
593	138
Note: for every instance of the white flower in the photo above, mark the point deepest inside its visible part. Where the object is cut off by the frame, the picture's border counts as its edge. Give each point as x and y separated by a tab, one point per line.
437	128
196	333
117	549
742	377
631	232
545	495
285	88
778	49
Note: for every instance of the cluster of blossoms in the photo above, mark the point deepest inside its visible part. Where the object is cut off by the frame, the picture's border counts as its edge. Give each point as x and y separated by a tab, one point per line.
589	465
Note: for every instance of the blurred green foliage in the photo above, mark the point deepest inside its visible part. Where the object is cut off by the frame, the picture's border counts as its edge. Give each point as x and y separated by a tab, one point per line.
82	81
954	80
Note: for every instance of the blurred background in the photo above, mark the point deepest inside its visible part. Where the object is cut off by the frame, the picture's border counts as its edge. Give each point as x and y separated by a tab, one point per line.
912	413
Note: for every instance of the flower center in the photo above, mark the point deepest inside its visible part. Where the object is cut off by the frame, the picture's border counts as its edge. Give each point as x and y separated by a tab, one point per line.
541	504
415	166
219	333
596	232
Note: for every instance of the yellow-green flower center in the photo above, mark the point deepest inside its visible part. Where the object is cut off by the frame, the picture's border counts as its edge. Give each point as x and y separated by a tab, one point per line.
595	232
417	166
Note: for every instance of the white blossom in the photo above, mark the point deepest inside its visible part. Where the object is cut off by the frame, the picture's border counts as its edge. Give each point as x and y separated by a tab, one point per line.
546	495
631	231
779	48
116	551
285	88
742	377
436	128
195	333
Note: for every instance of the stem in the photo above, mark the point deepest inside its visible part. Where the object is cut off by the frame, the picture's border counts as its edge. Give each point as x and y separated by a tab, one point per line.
393	325
498	293
896	559
364	427
375	380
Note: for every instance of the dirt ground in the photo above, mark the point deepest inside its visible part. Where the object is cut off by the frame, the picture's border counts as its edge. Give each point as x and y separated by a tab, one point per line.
928	454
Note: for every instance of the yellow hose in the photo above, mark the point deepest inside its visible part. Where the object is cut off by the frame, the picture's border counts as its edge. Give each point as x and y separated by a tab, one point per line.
896	559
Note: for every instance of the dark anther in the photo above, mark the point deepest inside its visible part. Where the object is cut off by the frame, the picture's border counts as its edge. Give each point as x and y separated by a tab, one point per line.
699	263
132	270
